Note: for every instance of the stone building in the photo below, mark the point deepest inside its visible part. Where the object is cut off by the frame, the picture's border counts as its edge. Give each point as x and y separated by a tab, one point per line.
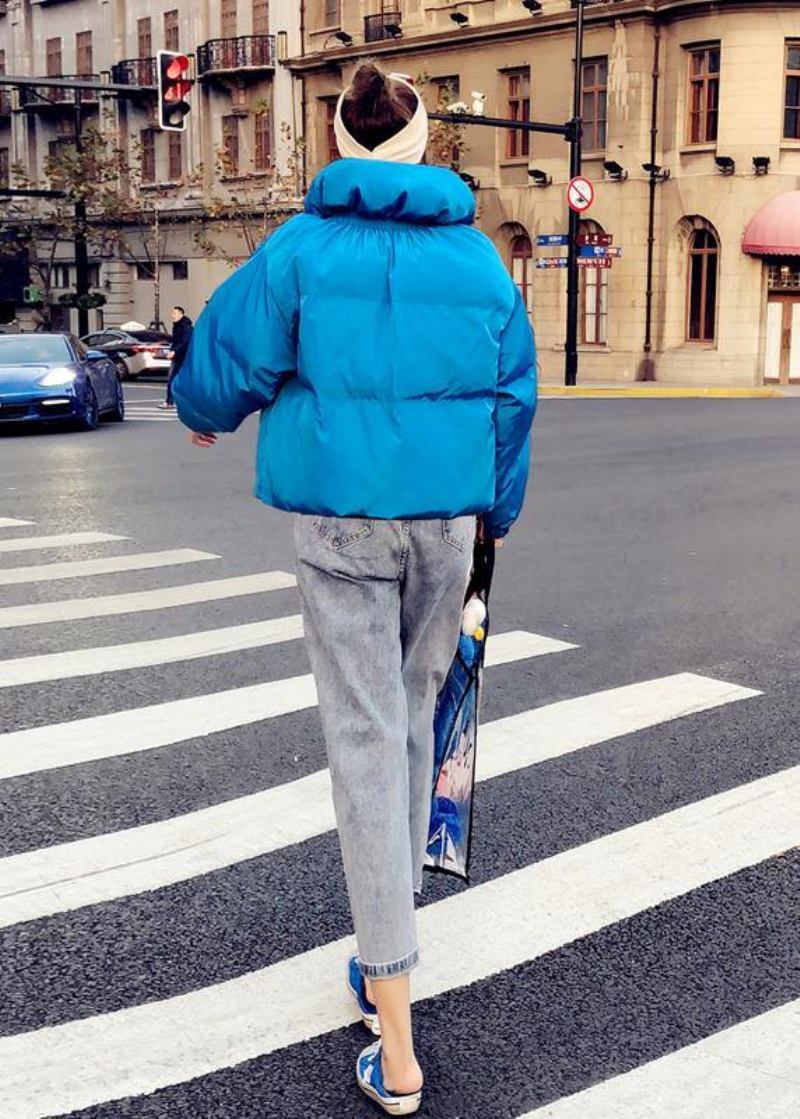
706	94
240	137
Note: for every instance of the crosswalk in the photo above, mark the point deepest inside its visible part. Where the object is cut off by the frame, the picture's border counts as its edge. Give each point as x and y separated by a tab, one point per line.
148	410
541	898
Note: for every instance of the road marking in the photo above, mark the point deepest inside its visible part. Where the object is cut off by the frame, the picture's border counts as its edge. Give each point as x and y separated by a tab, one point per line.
12	522
725	1074
72	569
530	912
37	613
140	654
161	724
53	879
63	540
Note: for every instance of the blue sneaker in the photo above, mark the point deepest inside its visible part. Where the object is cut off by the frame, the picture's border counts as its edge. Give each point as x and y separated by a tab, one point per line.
369	1073
358	989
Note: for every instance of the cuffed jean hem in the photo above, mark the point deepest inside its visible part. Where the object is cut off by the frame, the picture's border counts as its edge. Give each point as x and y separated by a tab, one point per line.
392	970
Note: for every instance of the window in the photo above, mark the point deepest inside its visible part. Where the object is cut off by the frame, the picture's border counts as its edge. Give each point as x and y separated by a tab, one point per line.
331	13
595	102
702	287
519	108
147	139
144	272
83	52
330	134
704	95
522	267
144	34
175	155
791	113
230	144
228	19
180	270
171	31
53	57
260	17
263	141
4	167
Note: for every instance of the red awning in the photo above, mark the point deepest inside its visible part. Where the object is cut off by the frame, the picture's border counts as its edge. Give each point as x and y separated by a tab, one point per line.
775	228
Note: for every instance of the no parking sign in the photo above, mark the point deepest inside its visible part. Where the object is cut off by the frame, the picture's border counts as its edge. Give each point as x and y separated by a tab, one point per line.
580	194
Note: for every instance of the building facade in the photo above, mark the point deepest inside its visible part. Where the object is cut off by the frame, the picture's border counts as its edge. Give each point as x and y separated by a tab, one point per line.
199	199
691	118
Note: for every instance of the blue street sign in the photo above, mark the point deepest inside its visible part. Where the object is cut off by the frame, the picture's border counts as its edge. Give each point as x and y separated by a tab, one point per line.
551	262
592	250
545	239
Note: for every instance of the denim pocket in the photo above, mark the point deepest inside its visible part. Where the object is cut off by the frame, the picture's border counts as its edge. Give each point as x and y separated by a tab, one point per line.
456	533
340	532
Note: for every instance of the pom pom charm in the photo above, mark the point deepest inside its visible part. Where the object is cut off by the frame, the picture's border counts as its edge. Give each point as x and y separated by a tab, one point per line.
473	618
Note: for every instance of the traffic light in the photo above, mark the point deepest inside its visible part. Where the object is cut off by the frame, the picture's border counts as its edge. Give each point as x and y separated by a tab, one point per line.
174	85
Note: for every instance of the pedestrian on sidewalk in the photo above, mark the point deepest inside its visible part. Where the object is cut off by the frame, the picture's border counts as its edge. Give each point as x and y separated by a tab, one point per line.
391	358
181	337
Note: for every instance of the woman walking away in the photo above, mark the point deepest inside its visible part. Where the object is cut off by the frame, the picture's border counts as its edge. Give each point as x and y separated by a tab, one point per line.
393	364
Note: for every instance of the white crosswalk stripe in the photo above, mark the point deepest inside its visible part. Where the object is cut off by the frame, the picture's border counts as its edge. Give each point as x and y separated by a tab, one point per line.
61	540
183	1031
73	569
531	911
150	412
719	1076
103	606
154	855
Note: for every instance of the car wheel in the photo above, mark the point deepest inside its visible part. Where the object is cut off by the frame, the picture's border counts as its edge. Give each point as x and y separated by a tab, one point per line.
117	413
121	368
91	414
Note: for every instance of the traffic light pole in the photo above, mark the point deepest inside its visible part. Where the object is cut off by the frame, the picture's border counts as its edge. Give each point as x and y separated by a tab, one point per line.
575	159
81	248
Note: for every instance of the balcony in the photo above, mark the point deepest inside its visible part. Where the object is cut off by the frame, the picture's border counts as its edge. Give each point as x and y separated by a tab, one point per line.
137	72
55	99
226	56
385	25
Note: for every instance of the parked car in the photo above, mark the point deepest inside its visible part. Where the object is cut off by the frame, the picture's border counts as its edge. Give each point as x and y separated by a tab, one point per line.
133	349
49	377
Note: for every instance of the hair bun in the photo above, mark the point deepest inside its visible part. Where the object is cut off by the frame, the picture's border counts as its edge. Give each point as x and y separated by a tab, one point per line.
368	85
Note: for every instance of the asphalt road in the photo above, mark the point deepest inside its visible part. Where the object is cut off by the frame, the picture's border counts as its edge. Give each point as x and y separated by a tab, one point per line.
631	930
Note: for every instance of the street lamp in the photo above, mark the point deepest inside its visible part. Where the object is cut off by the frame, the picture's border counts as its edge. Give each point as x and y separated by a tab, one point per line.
459	18
540	178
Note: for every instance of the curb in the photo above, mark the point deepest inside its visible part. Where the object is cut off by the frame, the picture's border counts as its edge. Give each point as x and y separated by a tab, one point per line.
664	391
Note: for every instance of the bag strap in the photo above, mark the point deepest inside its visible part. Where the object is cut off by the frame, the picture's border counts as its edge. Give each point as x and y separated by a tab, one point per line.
480	582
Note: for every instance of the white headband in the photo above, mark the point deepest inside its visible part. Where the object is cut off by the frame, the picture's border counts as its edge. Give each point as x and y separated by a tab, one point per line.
406	146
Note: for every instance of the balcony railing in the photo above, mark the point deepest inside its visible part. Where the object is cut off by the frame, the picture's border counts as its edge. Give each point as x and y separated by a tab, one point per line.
246	52
134	72
385	25
45	97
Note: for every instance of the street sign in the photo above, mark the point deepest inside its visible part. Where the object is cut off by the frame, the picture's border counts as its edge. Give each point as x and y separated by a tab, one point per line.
595	238
617	252
545	239
594	261
592	250
580	194
551	262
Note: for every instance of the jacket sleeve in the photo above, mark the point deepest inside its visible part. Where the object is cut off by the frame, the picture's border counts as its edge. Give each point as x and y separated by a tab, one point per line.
513	416
243	346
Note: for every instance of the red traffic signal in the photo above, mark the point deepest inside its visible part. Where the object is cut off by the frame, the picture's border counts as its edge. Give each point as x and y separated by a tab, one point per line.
174	86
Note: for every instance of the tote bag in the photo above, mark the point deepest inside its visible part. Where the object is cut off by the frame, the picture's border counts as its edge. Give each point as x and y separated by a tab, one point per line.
456	738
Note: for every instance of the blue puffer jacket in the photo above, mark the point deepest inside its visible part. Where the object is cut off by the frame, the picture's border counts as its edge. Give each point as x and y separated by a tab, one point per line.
386	347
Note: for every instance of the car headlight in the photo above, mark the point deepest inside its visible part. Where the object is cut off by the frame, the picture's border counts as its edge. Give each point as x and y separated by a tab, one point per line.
57	377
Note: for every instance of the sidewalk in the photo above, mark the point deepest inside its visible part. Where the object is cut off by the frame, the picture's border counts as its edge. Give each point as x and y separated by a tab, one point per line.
662	389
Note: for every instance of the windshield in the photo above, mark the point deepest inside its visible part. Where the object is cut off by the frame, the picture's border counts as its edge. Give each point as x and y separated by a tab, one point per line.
33	349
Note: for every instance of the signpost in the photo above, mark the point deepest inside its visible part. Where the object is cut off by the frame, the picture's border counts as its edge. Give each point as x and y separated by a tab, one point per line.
580	194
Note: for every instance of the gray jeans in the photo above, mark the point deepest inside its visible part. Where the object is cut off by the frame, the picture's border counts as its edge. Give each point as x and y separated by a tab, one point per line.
382	605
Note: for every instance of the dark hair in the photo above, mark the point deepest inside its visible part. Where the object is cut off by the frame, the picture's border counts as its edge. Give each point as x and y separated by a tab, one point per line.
177	308
376	107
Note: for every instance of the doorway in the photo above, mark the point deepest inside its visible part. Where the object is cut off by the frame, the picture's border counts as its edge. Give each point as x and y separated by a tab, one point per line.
782	351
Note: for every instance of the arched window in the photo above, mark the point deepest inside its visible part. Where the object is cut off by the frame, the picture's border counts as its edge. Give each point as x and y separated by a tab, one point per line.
522	267
594	297
701	293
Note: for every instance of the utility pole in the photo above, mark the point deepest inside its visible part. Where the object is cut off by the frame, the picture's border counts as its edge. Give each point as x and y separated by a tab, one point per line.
81	251
156	324
575	159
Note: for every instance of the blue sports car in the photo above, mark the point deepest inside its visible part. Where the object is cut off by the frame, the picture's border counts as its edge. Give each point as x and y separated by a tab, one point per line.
48	377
